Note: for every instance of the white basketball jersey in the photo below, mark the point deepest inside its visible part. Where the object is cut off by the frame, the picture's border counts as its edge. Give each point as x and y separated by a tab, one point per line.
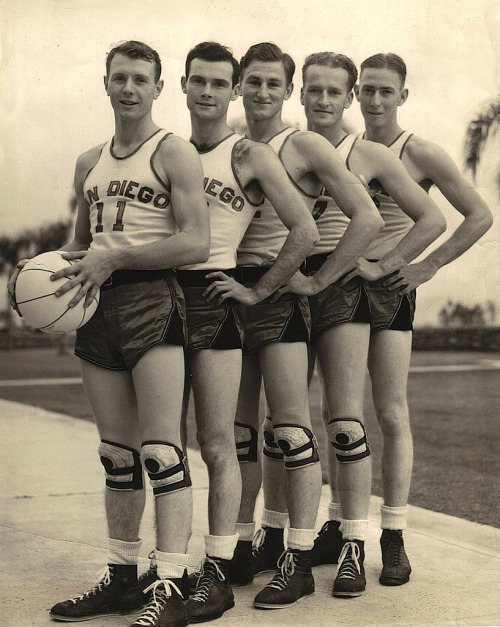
129	203
397	223
330	220
229	208
266	234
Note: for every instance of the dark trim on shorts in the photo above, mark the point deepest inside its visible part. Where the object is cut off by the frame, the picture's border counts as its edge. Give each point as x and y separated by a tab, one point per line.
125	277
196	278
249	275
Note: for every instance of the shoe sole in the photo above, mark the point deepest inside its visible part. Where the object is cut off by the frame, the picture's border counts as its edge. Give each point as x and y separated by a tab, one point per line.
347	595
79	619
207	618
389	581
273	606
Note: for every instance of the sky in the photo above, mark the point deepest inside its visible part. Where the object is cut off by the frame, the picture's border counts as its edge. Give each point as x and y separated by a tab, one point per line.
53	105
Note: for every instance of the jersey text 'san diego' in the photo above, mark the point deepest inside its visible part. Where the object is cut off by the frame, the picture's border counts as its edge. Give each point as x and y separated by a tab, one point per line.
129	204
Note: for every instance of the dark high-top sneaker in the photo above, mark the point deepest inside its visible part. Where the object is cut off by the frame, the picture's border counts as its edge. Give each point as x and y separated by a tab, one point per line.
213	595
166	607
292	582
350	580
328	544
241	567
396	570
115	593
148	577
267	548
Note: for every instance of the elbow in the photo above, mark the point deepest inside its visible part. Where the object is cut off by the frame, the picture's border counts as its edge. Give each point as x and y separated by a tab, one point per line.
313	235
377	223
487	221
440	226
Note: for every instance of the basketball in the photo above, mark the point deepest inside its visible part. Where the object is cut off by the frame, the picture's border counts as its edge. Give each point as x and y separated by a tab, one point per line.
37	303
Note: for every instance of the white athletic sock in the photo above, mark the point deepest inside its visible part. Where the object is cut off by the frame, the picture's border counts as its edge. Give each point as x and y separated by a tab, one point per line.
300	539
277	520
353	529
334	511
221	546
393	517
245	531
170	565
122	552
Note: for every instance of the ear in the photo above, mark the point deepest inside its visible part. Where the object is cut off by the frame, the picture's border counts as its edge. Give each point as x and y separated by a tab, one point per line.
235	92
288	92
356	91
183	84
158	89
348	101
106	84
403	97
302	96
239	91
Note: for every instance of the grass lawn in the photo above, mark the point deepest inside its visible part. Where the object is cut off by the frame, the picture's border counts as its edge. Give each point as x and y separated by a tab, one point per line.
454	421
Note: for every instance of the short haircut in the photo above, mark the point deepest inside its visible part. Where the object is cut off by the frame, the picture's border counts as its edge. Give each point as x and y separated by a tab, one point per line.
212	51
267	51
333	60
389	61
136	50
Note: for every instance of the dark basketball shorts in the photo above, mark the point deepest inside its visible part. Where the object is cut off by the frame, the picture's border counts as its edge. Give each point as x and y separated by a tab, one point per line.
390	310
335	304
286	320
210	326
137	310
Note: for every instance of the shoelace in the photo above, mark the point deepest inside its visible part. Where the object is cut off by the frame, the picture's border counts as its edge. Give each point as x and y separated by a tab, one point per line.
205	579
152	566
158	601
286	565
258	540
349	564
103	579
325	528
393	547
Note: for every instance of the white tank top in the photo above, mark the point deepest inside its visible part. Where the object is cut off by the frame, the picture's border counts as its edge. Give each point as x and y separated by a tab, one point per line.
129	203
229	208
397	223
330	220
266	234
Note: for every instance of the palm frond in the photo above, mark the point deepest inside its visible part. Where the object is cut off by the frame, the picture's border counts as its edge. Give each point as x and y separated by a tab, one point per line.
483	126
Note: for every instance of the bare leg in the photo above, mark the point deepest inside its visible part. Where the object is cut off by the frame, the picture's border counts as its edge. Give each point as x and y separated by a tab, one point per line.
216	379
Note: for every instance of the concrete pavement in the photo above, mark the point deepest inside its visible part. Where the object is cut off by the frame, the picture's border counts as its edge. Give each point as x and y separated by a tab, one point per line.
53	538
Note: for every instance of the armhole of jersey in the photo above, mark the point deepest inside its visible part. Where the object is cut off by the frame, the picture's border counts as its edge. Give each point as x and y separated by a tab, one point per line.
236	178
295	184
155	173
96	162
349	153
404	145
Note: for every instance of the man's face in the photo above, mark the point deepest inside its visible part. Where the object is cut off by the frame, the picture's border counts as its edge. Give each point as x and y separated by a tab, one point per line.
131	86
380	93
325	95
264	88
209	88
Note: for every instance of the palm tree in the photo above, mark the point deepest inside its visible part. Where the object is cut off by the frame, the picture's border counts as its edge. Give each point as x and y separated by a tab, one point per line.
483	127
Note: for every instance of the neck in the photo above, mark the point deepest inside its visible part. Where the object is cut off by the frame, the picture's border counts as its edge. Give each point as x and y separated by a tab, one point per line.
129	133
205	134
384	134
264	130
334	134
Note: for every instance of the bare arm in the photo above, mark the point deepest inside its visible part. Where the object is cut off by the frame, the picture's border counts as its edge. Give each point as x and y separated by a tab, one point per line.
439	167
182	168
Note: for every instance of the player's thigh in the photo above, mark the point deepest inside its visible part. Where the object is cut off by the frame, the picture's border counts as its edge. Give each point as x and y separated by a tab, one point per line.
159	382
343	353
247	411
111	396
216	378
284	369
389	363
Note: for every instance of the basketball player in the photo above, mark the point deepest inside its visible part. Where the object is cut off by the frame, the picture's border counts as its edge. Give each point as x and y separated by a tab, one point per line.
238	173
141	211
392	299
276	333
340	313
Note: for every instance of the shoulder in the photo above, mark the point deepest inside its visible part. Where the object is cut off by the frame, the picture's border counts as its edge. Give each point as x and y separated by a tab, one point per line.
173	147
373	150
422	151
308	140
247	151
87	160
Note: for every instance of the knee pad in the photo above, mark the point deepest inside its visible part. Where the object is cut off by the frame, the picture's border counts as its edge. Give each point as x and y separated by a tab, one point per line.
122	466
166	466
348	438
271	449
245	437
298	444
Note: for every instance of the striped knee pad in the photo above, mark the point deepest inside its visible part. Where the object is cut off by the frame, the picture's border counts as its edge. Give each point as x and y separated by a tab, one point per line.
298	444
348	438
246	438
271	449
122	466
166	466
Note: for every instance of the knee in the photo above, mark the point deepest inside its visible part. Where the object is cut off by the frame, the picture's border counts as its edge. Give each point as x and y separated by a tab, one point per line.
394	418
166	466
122	466
348	438
246	439
216	450
298	445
